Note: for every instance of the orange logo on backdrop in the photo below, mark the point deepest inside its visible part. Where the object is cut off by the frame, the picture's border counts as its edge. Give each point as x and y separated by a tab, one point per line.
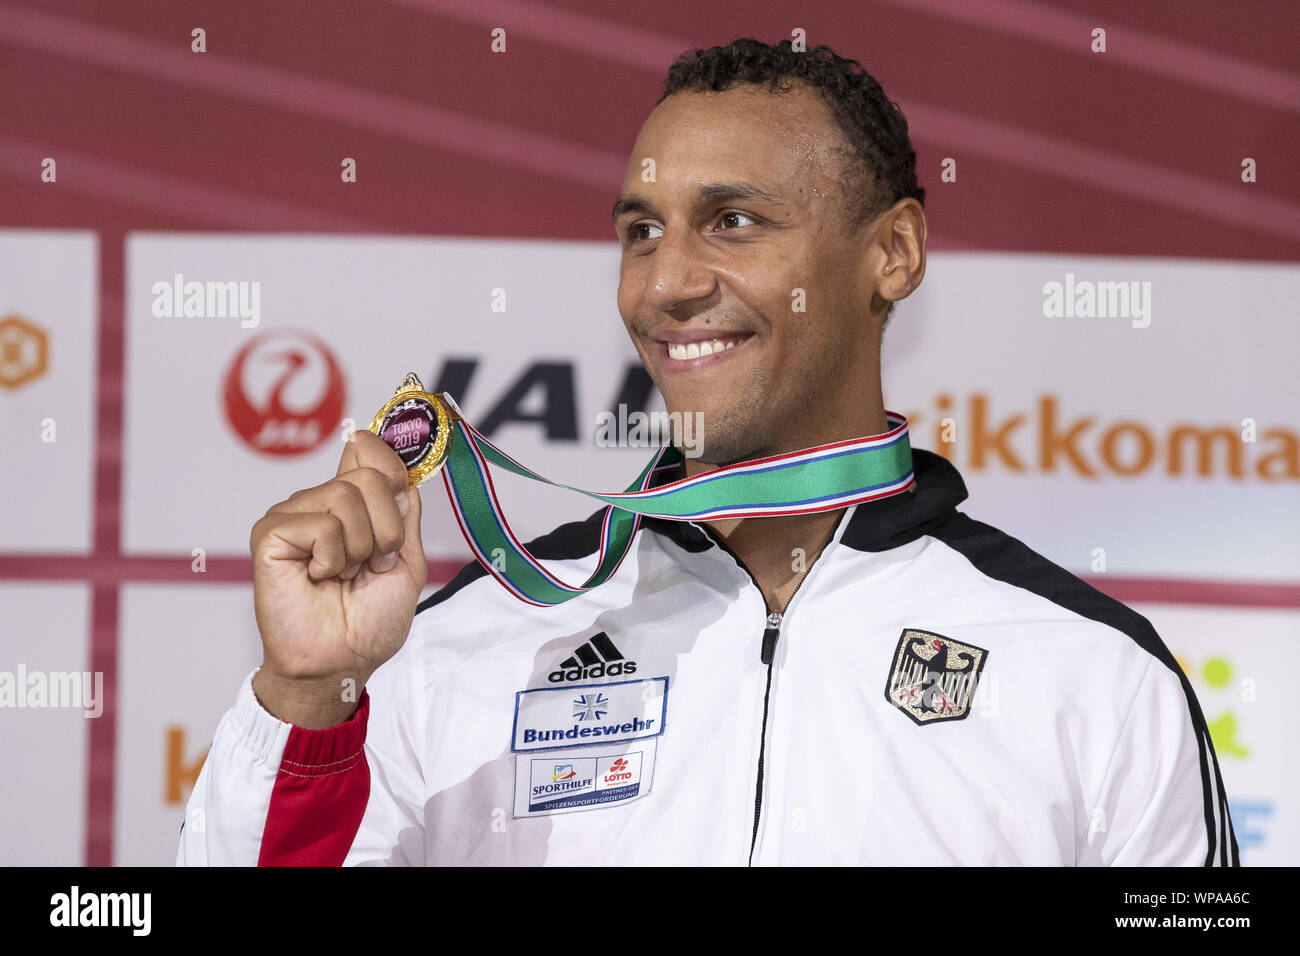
1045	440
179	776
24	351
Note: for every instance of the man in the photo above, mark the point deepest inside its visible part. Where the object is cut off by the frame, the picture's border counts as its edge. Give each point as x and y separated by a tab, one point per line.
886	683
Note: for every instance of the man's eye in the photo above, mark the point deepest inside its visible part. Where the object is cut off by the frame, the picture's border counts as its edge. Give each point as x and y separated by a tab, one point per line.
732	216
644	230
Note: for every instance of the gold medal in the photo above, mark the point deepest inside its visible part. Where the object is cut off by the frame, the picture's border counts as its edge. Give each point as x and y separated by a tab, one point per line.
417	426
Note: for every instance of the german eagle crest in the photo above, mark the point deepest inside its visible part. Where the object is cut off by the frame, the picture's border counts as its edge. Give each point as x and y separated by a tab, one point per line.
934	677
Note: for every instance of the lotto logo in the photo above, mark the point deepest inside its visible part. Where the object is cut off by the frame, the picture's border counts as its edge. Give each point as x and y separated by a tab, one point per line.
618	772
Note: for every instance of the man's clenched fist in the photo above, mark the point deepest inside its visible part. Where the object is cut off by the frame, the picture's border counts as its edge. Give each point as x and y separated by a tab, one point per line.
337	573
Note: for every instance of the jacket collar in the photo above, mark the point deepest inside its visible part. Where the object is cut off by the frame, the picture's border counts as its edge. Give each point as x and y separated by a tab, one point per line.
872	526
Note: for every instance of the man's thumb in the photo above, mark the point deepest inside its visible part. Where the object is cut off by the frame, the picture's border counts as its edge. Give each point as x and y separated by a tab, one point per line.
412	550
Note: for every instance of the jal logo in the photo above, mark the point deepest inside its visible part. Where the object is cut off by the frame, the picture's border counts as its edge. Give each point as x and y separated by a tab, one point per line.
618	772
284	393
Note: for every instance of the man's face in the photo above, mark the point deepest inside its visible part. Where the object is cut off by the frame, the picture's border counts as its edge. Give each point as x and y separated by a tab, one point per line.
743	225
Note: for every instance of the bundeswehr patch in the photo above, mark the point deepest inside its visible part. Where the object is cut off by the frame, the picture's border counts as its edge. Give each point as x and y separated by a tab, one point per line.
934	676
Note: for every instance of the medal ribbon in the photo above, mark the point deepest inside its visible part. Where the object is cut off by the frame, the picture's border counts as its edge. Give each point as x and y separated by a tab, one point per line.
824	478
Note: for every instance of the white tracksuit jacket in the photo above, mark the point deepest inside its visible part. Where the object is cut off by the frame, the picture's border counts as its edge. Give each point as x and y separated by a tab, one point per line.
936	694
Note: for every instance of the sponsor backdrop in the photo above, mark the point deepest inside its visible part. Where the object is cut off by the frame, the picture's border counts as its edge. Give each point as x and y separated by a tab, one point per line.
192	320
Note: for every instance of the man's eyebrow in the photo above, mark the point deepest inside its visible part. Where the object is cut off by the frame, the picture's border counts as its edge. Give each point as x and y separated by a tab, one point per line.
632	203
708	193
722	192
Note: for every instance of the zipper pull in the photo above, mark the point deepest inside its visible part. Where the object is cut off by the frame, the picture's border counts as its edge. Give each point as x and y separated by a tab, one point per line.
770	634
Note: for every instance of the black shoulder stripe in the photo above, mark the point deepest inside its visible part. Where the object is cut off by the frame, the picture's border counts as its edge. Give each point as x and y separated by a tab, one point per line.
998	555
1208	799
576	539
1004	558
1231	853
1220	830
1209	767
468	574
1224	858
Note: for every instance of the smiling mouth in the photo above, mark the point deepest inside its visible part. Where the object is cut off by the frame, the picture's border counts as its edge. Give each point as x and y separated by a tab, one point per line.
703	349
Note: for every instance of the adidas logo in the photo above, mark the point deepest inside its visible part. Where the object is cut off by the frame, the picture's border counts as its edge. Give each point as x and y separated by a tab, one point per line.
597	657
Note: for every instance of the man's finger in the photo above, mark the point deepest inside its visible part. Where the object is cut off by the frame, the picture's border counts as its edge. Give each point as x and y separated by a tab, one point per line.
412	551
367	450
293	537
385	512
345	501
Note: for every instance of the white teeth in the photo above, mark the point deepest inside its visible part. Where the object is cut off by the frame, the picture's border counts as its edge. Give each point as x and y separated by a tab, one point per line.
698	349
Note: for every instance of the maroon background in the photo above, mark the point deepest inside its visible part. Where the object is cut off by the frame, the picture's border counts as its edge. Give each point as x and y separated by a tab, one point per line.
1136	151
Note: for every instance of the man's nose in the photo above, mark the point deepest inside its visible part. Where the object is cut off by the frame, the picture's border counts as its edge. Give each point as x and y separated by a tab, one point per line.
679	272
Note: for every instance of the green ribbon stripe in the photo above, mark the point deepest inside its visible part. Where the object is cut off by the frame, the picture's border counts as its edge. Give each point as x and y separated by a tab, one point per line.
780	484
519	570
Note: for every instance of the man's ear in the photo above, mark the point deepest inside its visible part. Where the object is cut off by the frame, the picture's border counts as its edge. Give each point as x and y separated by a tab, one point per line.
900	237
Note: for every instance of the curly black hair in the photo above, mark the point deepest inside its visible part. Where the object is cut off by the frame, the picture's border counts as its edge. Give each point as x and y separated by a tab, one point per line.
885	167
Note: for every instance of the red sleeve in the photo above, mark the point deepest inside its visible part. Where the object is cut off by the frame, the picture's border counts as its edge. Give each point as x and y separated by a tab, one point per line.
320	795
